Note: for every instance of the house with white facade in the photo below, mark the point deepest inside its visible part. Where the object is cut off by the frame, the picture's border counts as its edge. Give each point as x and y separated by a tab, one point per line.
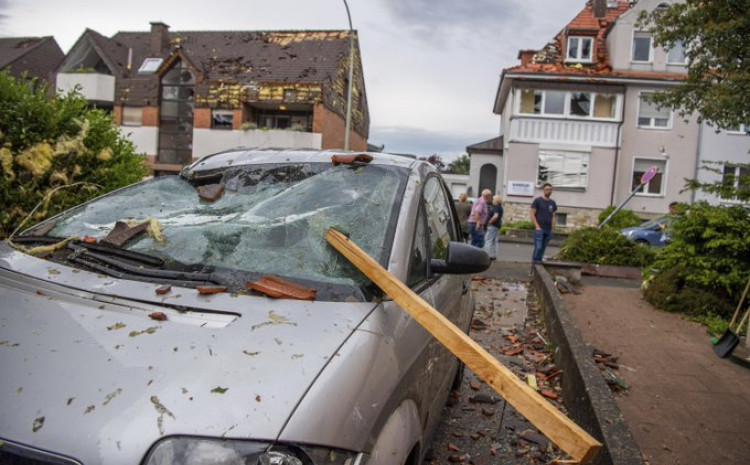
576	114
179	95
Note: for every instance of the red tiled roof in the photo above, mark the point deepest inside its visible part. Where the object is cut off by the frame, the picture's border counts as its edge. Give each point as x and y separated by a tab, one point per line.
551	59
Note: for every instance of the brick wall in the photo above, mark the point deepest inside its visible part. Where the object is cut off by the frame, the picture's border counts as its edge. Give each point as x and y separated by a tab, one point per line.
333	127
150	116
202	118
576	217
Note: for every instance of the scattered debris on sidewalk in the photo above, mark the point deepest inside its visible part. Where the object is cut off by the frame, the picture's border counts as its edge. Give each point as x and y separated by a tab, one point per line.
478	427
564	286
606	363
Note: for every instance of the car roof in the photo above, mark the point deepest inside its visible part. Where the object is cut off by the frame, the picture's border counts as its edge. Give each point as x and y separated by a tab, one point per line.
254	156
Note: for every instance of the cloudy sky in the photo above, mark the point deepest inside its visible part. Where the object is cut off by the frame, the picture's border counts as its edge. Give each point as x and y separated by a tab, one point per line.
431	67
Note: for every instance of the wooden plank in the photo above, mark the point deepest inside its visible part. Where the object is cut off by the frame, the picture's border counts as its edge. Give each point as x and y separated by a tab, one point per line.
568	436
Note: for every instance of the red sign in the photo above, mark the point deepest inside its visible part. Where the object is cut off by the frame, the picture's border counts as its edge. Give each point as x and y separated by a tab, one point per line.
649	175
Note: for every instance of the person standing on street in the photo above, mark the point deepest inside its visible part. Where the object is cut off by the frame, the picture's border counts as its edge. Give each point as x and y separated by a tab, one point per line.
463	208
494	223
543	214
478	219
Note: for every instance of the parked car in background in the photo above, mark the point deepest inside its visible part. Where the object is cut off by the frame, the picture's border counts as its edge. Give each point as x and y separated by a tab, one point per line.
203	319
653	233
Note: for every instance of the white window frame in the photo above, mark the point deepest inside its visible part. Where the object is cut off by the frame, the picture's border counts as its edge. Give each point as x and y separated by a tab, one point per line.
742	129
652	121
150	65
132	116
642	35
652	161
735	182
222	112
678	45
567	114
580	40
585	157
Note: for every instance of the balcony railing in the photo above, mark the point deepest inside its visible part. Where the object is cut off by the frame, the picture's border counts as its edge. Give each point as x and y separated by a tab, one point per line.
603	134
94	87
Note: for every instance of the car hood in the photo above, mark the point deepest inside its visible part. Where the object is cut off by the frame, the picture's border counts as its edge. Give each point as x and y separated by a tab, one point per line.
88	373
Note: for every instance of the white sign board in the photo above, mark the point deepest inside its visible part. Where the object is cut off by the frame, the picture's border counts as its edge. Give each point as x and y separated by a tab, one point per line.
520	188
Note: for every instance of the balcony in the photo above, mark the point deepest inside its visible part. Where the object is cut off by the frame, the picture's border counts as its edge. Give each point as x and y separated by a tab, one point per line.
94	87
564	131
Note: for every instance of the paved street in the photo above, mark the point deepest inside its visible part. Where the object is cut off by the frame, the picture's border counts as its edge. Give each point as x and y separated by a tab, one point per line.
520	252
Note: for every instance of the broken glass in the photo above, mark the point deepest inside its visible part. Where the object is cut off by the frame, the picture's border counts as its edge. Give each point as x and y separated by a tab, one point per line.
271	219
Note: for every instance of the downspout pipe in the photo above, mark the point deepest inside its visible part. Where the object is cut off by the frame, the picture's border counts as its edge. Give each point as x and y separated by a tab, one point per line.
617	153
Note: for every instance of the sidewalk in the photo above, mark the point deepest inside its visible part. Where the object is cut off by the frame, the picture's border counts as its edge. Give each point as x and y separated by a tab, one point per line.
686	406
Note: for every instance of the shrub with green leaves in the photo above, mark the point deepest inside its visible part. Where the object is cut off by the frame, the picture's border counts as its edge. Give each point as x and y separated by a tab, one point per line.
605	247
623	219
708	251
56	152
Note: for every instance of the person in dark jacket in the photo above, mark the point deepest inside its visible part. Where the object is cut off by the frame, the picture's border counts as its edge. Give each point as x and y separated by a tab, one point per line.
543	214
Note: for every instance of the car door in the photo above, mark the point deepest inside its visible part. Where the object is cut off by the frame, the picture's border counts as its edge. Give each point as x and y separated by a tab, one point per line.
436	228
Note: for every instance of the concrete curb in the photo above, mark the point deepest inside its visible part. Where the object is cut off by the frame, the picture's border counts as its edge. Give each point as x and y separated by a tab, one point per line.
587	397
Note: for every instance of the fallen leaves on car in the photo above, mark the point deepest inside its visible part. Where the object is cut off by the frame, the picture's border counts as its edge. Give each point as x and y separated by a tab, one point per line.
116	326
158	316
161	410
219	390
150	330
38	423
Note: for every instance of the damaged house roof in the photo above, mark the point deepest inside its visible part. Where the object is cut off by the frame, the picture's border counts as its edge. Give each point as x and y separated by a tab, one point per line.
247	58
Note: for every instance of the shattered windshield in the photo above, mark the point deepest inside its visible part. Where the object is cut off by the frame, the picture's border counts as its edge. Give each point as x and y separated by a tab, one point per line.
267	219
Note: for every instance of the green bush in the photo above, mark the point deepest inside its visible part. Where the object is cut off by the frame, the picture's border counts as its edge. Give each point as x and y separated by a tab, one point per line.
708	251
671	292
604	247
56	152
522	224
623	219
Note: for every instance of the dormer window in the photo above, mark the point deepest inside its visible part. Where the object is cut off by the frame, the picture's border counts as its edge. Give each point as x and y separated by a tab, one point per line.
580	48
150	65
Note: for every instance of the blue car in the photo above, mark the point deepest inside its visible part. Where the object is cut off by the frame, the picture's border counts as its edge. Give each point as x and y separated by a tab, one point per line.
653	233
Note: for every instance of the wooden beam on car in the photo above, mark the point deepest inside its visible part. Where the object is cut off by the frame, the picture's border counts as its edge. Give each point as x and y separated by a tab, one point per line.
561	430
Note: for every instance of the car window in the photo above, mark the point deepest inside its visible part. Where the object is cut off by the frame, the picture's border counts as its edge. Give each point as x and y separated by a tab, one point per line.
439	221
419	260
270	219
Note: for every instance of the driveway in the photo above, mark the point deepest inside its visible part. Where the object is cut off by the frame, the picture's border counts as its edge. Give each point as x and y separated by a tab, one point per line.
685	405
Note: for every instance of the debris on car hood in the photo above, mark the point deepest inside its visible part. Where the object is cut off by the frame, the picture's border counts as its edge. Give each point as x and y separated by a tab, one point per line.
275	287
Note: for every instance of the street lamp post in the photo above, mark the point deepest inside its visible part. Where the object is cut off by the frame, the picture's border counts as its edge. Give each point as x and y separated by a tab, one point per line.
351	79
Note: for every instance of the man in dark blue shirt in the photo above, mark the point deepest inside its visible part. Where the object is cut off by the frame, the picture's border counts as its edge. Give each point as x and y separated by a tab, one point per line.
543	214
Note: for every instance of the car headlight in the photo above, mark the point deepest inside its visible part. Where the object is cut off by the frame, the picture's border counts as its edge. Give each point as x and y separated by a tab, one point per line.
202	451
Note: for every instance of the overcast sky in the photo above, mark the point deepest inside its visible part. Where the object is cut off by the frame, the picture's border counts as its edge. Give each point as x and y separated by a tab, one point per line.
431	67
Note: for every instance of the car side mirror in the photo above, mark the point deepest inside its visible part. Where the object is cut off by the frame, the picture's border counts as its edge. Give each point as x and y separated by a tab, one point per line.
462	259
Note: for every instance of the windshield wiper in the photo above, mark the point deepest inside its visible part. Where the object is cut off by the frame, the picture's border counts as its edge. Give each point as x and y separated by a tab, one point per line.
97	259
108	250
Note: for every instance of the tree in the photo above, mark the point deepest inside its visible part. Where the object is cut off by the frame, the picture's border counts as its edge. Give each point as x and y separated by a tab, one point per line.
714	34
56	152
460	165
436	161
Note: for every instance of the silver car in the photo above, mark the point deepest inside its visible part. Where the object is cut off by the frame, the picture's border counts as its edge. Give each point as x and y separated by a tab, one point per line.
203	319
